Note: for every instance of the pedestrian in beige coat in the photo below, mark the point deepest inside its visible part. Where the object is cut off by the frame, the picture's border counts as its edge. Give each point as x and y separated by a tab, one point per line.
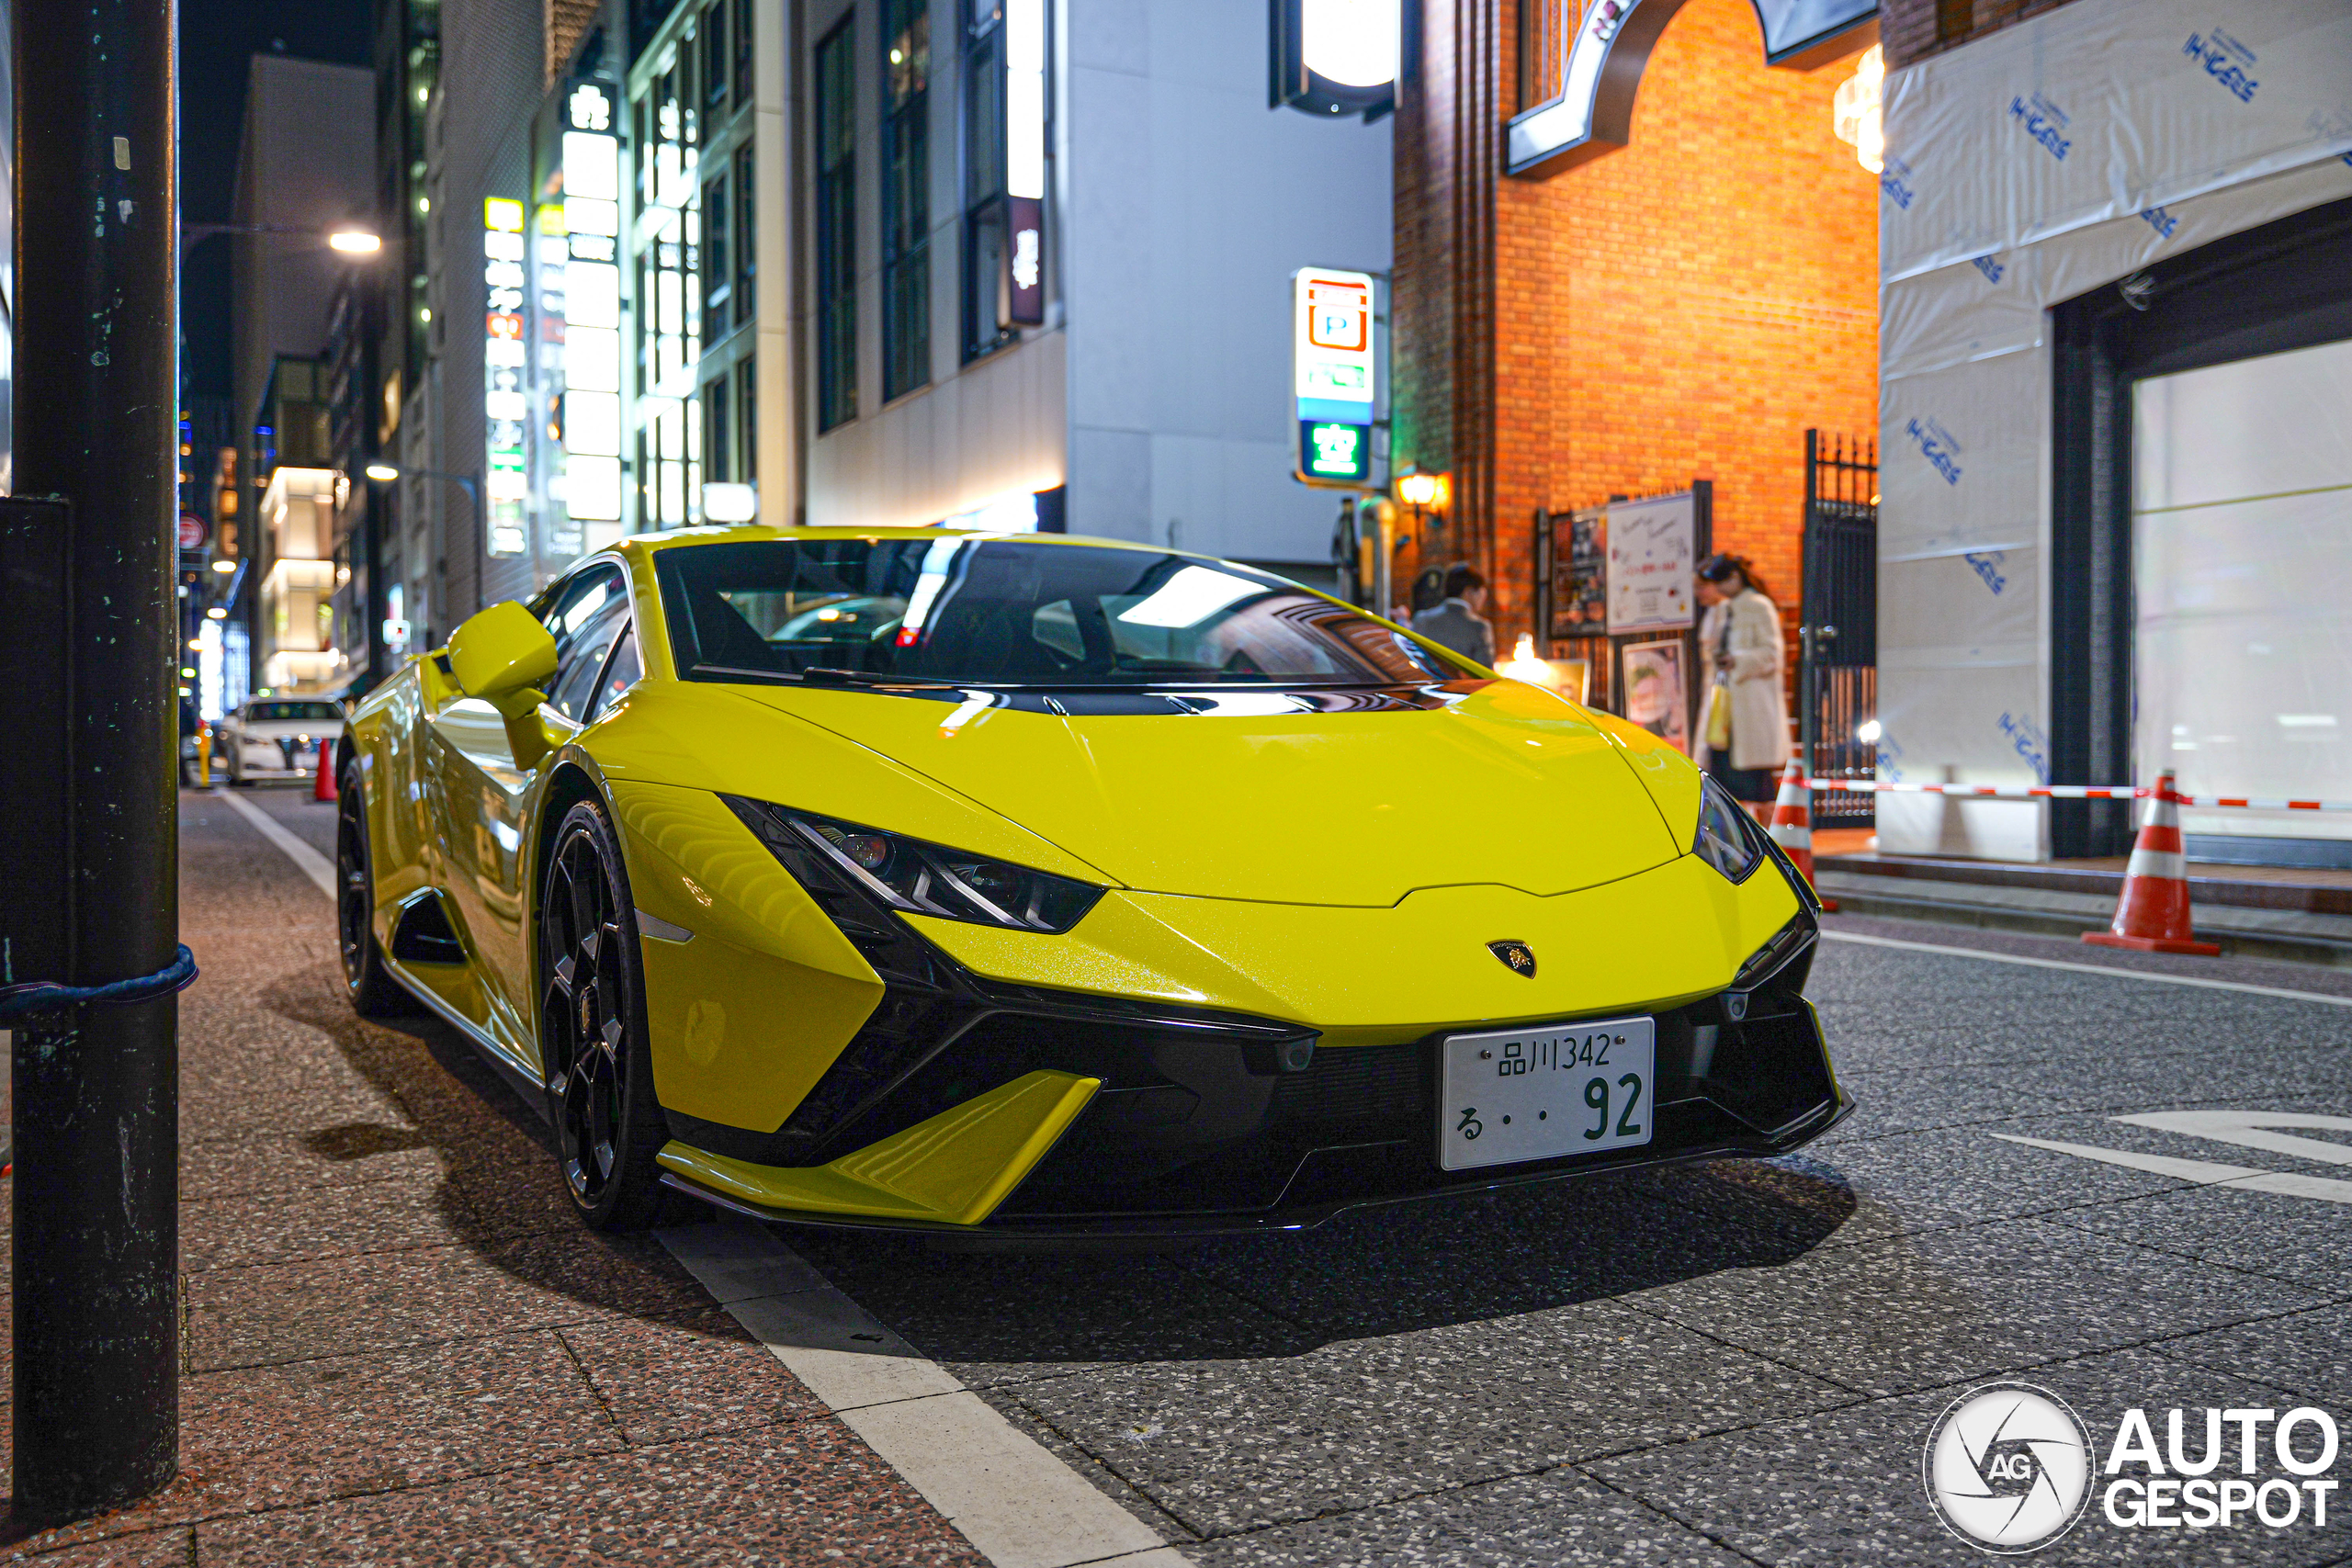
1739	650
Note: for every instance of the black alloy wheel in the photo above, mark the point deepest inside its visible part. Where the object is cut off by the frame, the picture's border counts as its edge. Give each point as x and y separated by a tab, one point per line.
592	1028
366	977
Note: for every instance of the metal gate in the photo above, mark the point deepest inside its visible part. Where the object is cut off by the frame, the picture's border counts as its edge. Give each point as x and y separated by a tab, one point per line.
1837	640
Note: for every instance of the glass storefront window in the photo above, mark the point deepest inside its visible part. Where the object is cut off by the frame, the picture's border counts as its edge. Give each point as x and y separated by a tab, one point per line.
2242	540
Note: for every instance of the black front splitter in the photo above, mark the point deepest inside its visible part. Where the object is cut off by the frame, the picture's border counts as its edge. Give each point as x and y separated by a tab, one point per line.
1112	1230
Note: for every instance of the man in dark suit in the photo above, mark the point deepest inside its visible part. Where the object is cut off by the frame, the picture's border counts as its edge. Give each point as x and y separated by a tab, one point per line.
1457	624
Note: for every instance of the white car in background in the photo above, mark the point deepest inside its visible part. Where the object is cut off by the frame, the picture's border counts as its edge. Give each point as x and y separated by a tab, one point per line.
275	738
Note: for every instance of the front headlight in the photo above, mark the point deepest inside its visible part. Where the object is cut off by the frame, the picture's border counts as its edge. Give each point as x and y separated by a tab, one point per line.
1728	839
918	878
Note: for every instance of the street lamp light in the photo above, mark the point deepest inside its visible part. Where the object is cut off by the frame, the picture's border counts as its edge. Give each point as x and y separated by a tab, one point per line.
348	239
1419	490
385	473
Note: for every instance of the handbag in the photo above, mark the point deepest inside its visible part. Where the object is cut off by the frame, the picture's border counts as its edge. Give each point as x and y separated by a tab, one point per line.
1718	731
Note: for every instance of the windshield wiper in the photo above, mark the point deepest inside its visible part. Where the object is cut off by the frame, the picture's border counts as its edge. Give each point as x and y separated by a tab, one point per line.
828	675
819	675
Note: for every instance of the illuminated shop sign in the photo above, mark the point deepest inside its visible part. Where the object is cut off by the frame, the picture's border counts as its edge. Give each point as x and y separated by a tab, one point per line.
1607	47
506	480
1024	158
1337	452
589	369
1334	374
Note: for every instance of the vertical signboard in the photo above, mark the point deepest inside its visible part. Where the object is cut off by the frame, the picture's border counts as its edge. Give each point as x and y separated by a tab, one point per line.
1653	545
1333	377
506	479
587	365
1025	161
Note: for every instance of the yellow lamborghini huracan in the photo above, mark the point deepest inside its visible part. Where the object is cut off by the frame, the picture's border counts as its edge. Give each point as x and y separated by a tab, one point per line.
1027	886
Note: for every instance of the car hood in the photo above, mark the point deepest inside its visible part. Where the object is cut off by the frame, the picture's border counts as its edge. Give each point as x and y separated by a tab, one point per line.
1497	782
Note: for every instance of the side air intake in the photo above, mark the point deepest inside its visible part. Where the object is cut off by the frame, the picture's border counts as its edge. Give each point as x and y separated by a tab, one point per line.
423	933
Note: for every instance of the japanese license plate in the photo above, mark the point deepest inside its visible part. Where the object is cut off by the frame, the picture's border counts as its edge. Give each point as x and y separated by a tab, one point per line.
1537	1093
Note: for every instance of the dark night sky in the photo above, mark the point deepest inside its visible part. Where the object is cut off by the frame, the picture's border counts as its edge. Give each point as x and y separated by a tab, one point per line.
217	38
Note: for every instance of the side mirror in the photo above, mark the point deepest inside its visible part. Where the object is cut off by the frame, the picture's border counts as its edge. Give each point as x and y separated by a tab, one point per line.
503	655
500	652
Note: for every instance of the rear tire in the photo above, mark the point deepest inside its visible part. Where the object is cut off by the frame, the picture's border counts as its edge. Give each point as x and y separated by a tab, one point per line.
367	979
593	1033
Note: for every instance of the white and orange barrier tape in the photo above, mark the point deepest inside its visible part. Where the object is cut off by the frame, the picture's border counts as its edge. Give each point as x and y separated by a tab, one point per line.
2074	792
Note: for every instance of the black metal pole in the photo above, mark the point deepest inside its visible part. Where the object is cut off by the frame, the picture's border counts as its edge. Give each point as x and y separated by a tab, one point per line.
95	1271
377	606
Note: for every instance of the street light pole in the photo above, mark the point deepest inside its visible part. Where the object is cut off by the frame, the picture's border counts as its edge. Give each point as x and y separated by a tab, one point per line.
97	1110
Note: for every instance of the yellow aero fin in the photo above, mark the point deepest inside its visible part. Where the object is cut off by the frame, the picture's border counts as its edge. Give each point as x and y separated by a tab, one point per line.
953	1170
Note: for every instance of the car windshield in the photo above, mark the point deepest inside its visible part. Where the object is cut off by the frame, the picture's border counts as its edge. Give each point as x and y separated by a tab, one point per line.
963	611
298	713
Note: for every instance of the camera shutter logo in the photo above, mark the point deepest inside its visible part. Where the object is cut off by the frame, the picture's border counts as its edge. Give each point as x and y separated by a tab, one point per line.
2008	1467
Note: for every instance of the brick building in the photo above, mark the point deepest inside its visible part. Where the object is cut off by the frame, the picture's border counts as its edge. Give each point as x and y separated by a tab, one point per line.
1622	321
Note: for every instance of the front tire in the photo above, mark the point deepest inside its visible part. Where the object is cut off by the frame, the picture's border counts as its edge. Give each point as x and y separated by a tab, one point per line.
367	979
592	1028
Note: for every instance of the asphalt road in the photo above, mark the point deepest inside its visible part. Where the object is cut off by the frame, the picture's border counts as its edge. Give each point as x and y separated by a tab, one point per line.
1741	1362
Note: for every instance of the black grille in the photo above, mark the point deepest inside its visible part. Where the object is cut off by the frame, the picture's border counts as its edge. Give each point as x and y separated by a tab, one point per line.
1357	1083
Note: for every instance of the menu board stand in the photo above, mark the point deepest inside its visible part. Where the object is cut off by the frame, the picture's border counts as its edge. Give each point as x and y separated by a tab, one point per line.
1620	625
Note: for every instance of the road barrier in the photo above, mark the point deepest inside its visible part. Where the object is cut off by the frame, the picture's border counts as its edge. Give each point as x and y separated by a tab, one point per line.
2074	792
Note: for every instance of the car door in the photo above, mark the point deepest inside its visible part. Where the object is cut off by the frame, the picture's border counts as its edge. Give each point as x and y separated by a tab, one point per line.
482	800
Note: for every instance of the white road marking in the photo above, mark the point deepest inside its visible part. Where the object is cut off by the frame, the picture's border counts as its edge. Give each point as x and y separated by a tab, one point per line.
2203	1172
2251	1129
307	861
1011	1498
2088	968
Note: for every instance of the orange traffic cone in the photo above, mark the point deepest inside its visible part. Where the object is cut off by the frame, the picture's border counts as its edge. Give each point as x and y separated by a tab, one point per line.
323	789
1791	824
2153	914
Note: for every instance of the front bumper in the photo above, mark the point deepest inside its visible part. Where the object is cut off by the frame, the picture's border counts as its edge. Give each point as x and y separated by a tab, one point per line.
1302	1164
267	759
1207	1122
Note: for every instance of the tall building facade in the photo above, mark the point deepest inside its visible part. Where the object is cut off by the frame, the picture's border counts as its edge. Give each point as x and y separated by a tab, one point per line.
837	262
1046	260
306	164
896	263
2115	371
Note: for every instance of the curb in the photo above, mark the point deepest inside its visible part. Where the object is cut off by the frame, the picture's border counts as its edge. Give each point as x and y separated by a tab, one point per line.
2317	951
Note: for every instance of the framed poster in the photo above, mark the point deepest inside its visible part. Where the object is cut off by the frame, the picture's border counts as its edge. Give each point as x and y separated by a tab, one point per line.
1652	546
1656	695
1580	572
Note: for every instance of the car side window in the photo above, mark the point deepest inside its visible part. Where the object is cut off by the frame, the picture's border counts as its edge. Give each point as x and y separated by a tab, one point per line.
575	605
580	662
624	671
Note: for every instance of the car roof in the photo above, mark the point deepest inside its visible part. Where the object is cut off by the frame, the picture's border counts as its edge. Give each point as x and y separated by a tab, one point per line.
746	532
